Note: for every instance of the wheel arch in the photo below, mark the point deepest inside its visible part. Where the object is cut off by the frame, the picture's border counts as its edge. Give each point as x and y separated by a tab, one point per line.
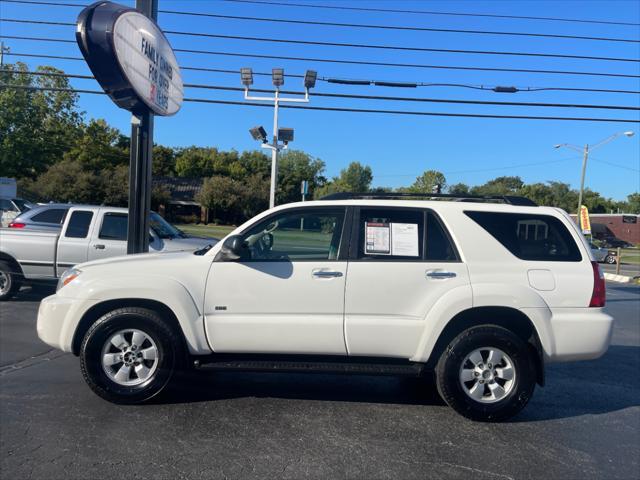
507	317
99	309
5	257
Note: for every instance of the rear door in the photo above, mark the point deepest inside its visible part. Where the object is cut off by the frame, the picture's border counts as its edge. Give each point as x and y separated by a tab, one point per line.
109	238
401	262
74	240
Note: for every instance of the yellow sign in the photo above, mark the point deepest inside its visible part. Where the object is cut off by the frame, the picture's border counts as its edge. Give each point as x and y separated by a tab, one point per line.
585	224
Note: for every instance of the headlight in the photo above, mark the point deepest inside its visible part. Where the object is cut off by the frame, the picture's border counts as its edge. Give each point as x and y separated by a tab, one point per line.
68	276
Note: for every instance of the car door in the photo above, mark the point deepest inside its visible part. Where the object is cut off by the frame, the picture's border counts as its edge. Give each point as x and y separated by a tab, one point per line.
74	240
287	294
110	238
402	261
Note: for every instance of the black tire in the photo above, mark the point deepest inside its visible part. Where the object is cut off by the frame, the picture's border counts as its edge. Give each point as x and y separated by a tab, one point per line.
448	371
610	259
13	279
168	343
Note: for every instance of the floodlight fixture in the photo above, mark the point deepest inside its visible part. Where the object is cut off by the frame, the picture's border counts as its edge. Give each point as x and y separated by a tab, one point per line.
259	133
310	77
277	75
246	75
630	133
285	135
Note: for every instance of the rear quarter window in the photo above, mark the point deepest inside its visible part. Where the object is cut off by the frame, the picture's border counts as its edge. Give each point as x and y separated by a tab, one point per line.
54	215
530	236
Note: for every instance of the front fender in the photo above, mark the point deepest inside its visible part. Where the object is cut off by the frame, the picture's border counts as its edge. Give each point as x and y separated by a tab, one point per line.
167	291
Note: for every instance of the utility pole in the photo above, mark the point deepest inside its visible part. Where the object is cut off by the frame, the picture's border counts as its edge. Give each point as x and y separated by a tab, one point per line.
140	162
585	157
3	50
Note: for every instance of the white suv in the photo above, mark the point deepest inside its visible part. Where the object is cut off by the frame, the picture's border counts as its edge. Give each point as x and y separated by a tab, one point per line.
480	295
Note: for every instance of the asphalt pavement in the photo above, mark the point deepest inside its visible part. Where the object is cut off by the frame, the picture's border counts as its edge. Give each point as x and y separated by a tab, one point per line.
627	269
585	424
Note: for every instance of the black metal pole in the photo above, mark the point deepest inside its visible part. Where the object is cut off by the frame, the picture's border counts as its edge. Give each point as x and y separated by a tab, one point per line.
140	165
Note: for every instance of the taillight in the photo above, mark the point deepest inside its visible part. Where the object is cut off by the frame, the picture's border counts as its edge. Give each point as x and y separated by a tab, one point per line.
599	295
17	225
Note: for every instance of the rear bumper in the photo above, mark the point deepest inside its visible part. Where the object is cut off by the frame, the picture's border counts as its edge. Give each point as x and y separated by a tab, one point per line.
579	334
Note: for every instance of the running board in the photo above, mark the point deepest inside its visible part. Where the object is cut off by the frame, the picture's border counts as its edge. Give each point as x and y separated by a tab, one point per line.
305	365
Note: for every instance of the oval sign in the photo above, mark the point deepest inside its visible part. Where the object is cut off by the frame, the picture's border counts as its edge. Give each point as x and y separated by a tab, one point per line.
130	58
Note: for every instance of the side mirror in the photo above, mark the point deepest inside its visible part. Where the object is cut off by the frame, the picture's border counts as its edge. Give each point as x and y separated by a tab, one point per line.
233	248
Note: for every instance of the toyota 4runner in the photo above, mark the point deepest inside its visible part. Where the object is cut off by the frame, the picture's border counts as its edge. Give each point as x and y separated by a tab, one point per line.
477	294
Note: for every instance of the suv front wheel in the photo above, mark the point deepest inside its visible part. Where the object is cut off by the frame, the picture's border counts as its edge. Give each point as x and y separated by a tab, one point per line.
129	355
486	373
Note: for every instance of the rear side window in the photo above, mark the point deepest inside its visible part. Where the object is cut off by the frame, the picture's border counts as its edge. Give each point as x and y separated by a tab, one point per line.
439	246
114	227
78	226
391	234
53	215
530	237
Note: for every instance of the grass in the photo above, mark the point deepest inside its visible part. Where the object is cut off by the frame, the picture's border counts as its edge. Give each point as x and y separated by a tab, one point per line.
629	255
215	231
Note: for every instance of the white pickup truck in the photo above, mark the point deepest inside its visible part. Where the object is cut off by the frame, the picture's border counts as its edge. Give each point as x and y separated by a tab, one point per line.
88	233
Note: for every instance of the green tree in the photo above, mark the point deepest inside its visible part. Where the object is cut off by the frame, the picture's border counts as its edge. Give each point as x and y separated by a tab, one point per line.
426	183
294	167
633	203
499	186
355	178
164	161
36	127
98	147
459	189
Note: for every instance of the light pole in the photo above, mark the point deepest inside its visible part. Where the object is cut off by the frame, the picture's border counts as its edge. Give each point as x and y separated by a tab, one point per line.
585	156
3	50
283	134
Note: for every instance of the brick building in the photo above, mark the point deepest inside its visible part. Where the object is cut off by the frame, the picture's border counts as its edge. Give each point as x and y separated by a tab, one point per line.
623	226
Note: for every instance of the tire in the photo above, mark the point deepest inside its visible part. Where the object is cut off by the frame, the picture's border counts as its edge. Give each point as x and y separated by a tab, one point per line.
138	373
610	259
10	281
480	398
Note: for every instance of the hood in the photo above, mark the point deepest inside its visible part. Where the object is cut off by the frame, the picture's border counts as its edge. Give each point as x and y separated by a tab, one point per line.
187	243
137	259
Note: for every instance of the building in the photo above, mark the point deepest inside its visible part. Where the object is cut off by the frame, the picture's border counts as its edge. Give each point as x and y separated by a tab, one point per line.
182	206
619	225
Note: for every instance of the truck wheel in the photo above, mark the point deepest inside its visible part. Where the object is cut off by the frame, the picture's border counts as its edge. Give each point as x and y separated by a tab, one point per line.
129	355
10	281
610	259
486	373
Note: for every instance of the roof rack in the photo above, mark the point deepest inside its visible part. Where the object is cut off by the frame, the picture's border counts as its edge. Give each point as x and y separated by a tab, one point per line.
508	199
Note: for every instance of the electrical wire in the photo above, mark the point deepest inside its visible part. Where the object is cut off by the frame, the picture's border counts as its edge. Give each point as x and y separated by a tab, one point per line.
426	12
352	45
355	62
360	82
357	25
347	109
363	97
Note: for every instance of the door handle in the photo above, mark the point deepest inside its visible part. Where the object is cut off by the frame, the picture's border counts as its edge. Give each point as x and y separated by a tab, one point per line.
326	274
440	274
98	246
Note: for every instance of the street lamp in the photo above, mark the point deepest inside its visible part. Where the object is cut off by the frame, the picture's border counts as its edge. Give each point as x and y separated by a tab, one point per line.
285	135
585	156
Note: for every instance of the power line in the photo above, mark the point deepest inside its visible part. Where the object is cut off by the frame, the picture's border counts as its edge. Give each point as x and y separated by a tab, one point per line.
355	62
351	110
362	97
614	164
353	45
426	12
360	82
397	27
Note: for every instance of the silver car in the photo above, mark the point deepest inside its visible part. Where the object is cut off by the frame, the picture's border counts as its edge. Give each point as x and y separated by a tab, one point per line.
599	253
47	218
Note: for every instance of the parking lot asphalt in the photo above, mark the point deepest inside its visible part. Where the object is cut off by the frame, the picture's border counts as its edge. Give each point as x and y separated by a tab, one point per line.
584	424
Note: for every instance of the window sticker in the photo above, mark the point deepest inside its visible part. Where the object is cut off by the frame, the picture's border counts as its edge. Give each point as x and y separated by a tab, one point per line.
404	239
377	239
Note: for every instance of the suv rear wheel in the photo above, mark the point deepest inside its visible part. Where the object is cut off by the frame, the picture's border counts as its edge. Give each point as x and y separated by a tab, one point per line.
129	355
486	373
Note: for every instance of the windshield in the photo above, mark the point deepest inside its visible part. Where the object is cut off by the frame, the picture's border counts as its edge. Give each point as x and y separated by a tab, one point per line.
164	229
23	205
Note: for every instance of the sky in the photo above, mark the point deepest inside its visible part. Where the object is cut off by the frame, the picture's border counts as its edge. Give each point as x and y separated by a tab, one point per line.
398	148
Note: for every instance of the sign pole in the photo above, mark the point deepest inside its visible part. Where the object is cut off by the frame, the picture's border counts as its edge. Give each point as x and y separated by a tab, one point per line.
140	163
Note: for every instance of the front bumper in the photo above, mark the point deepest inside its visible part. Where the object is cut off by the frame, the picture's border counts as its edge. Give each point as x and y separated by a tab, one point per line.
54	326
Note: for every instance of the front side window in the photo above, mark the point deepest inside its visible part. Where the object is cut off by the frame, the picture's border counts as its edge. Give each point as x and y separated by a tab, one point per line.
297	236
114	227
52	215
78	226
530	237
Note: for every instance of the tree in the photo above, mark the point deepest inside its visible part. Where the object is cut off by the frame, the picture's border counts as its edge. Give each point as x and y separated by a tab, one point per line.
428	182
164	161
98	147
633	203
36	127
355	178
459	189
499	186
294	167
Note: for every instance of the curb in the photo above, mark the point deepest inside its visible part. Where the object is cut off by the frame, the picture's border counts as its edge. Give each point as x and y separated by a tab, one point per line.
617	278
